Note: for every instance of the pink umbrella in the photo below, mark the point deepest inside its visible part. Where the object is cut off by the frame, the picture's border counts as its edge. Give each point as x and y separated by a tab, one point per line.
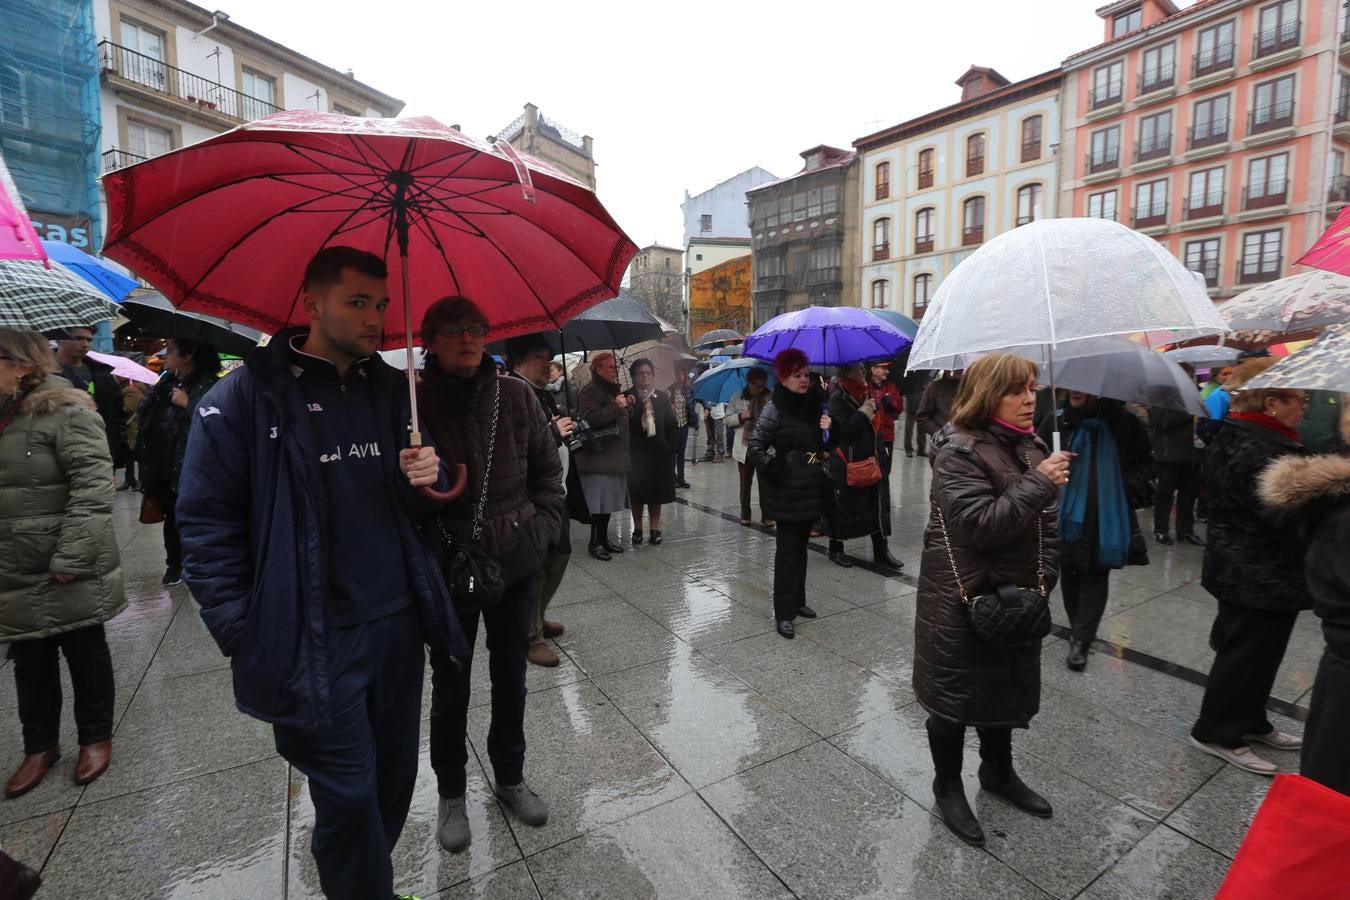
125	368
18	240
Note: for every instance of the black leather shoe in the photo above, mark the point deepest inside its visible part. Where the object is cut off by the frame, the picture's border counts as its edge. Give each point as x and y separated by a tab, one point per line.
611	547
683	484
806	612
956	813
882	556
599	552
786	630
1190	539
1077	658
655	538
637	537
1014	790
840	558
1162	538
909	454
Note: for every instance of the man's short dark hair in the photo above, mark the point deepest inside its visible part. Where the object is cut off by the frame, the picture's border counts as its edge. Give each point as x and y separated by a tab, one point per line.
325	269
519	347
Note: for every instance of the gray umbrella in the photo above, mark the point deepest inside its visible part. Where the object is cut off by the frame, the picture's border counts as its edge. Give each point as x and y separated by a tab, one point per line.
1132	374
1204	355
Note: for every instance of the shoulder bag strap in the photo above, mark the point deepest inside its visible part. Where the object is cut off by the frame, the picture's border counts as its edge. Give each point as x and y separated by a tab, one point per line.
481	509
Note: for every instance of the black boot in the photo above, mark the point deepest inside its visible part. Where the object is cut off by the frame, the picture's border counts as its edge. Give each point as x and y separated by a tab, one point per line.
1077	658
881	553
955	811
1003	782
838	556
597	544
604	536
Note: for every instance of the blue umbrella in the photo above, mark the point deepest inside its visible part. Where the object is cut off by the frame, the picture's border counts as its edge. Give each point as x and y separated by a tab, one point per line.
828	335
92	269
720	383
903	323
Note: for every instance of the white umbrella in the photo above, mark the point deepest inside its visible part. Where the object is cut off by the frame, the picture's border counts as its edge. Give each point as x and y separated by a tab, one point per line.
1204	355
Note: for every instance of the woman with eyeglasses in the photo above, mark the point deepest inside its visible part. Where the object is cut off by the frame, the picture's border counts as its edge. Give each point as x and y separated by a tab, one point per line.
60	577
1254	567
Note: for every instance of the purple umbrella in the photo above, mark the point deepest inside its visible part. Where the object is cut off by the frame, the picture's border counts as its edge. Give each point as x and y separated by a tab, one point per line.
828	335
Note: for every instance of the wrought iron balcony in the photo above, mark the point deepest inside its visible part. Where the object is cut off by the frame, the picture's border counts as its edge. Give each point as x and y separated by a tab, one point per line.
1339	192
1202	206
828	275
1207	135
1259	267
1157	148
923	244
156	77
1273	40
1209	268
1103	162
972	235
881	251
1265	195
116	159
1270	117
1156	79
1214	60
1097	99
1151	215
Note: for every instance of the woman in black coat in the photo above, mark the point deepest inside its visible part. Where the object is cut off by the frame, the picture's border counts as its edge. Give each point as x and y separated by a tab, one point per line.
1316	489
1112	451
788	449
1254	568
857	510
652	436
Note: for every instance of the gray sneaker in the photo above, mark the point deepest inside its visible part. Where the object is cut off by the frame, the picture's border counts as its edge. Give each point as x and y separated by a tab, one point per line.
525	803
453	828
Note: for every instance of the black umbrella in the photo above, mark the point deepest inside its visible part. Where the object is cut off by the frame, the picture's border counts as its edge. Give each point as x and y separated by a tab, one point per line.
618	322
151	311
718	337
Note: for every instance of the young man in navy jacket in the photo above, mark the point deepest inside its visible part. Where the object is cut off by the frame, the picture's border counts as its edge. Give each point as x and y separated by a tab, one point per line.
295	507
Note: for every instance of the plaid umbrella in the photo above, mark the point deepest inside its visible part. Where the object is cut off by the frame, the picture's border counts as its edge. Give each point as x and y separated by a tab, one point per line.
37	298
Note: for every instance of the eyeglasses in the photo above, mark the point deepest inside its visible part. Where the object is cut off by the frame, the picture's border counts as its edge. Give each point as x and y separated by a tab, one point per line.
475	330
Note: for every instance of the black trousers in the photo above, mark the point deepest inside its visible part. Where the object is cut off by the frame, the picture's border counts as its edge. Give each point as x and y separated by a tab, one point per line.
789	569
913	434
1182	481
1250	644
747	472
1084	601
162	492
946	741
362	765
37	680
508	640
885	459
1327	734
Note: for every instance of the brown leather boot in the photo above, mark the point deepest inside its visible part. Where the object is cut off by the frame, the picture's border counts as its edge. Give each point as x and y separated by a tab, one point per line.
93	761
542	655
30	772
553	629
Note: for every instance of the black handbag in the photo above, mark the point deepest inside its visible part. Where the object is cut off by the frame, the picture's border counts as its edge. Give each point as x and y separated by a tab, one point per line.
475	579
1008	615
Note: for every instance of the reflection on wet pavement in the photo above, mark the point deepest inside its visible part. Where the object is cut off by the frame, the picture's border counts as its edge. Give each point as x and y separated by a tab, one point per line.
684	748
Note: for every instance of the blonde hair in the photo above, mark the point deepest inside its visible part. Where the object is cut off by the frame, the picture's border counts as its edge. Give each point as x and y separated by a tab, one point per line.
597	358
1251	401
984	385
28	348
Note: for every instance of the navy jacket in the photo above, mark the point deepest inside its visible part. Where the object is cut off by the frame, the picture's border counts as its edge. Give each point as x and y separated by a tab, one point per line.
250	510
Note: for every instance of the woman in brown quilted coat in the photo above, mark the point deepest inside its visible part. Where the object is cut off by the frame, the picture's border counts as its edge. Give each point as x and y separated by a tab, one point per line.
994	491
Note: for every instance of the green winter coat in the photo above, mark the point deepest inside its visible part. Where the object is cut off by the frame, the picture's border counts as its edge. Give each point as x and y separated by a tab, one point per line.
56	504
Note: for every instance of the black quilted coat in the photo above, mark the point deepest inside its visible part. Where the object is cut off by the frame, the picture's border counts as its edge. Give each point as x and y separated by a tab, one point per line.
786	448
986	484
1254	554
857	511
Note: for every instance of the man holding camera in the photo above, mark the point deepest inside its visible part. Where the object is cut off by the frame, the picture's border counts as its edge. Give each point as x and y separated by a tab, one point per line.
528	358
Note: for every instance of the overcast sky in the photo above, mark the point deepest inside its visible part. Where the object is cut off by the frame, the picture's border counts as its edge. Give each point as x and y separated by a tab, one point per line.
682	95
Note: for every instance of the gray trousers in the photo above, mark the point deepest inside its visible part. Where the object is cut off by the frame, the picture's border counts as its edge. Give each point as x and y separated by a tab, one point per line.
554	569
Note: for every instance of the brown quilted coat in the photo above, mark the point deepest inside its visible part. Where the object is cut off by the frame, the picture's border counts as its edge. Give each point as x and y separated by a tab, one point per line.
986	483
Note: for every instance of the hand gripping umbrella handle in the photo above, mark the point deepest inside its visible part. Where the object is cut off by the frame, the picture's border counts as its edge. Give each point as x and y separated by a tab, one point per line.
825	432
457	486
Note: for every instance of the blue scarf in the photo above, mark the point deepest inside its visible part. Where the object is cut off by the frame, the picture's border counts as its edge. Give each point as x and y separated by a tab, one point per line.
1096	450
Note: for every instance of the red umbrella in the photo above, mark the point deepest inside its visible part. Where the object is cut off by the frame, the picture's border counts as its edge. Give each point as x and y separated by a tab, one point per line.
1332	250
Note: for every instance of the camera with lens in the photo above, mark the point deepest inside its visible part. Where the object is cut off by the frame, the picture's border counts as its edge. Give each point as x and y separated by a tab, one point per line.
585	437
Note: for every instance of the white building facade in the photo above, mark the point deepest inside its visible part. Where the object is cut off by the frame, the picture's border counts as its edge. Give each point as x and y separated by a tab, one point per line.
720	210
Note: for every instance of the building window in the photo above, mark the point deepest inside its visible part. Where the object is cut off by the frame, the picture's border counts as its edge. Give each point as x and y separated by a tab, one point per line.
1102	205
1031	138
1028	204
705	223
1277	28
261	91
975	155
923	292
770	274
1105	153
883	180
972	219
1108	84
799	207
1205	195
13	97
1150	203
1262	256
823	265
879	293
881	239
813	203
1342	111
1267	182
1159	69
1215	48
147	141
1203	256
698	257
1124	23
925	168
1209	122
830	200
145	63
1155	137
1272	105
923	229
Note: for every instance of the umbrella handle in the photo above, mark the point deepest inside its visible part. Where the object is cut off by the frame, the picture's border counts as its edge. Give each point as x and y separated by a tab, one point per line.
456	488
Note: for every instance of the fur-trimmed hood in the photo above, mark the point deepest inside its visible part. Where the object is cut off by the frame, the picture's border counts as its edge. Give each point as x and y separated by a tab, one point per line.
48	398
1292	483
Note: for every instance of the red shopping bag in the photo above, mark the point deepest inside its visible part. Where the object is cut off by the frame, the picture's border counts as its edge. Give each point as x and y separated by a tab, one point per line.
1298	845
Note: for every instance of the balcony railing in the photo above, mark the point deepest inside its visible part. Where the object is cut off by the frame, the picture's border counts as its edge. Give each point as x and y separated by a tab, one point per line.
1262	196
1031	150
974	165
881	251
1157	78
1343	108
1155	149
923	244
771	283
973	234
1097	99
116	159
1025	220
1259	267
1215	60
161	78
1207	135
1203	206
1273	40
1151	215
925	178
827	275
1270	117
1103	162
1208	268
1339	192
883	190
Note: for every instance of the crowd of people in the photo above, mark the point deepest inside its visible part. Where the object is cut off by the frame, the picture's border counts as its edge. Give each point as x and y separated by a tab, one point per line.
329	619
